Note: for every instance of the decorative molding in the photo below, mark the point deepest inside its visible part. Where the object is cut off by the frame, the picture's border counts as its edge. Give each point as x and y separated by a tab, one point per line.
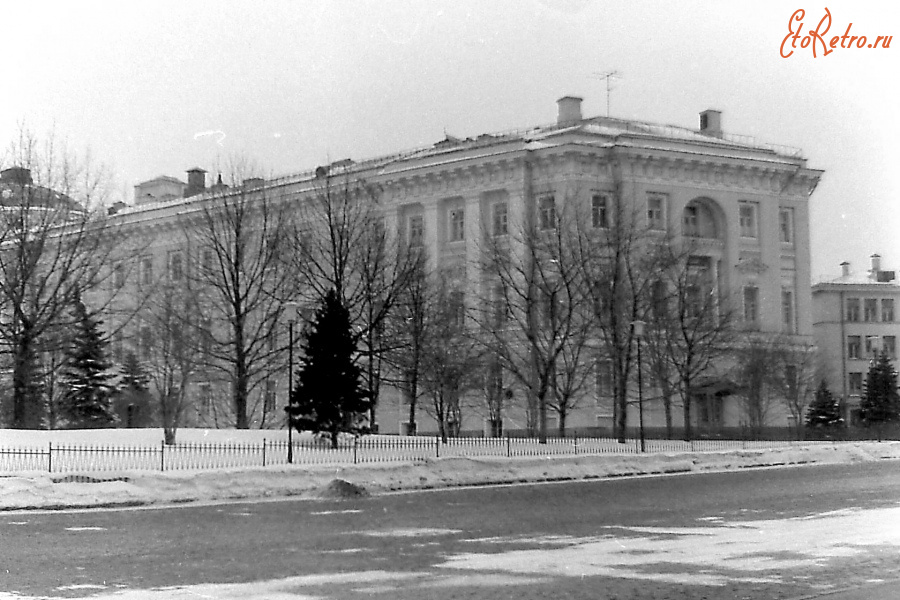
751	264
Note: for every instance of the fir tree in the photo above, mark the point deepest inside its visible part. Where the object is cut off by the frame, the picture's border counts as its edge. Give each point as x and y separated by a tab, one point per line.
881	402
87	400
824	410
328	397
132	399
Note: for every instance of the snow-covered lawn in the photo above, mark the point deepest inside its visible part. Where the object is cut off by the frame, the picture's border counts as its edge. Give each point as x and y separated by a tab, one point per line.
40	489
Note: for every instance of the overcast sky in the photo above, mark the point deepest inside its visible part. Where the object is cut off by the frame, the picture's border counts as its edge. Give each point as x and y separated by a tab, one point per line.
157	87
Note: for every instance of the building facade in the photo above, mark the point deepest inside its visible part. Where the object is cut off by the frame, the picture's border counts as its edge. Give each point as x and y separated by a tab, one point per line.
743	205
854	318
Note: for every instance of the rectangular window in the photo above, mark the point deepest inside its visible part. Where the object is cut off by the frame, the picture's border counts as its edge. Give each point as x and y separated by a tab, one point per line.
549	311
119	276
660	300
501	310
208	260
457	310
889	346
547	210
656	211
855	382
457	225
204	394
691	221
853	346
600	210
206	336
786	225
176	266
269	395
870	310
604	381
790	378
416	230
147	270
751	304
887	310
872	345
787	311
748	219
853	310
501	218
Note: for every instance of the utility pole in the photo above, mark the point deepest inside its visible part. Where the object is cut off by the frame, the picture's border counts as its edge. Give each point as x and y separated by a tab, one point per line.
607	76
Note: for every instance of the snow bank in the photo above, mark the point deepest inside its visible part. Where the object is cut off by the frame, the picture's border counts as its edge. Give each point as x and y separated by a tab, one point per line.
134	488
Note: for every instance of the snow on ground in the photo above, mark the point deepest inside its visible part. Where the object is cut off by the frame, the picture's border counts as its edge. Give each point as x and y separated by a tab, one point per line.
36	490
745	551
763	551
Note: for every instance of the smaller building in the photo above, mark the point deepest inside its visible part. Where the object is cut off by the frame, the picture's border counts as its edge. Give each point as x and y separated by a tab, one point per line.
854	318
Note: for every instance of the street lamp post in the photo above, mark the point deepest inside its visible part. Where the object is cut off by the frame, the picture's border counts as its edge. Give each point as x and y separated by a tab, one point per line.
291	310
638	328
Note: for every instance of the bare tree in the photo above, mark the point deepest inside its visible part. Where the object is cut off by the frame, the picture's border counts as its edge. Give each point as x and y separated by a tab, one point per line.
410	326
342	243
775	370
172	353
690	324
243	279
450	356
535	319
55	245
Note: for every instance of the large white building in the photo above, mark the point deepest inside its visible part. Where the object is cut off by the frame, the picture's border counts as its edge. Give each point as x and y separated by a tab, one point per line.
744	204
854	318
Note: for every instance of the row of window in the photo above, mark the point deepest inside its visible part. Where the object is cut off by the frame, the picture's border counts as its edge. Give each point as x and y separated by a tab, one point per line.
869	312
175	268
873	345
600	218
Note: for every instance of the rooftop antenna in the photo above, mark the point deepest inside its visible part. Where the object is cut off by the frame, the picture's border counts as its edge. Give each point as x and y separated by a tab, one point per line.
608	76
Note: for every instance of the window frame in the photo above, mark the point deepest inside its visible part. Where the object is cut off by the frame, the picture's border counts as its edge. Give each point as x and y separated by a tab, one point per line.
786	225
500	218
749	224
600	210
457	223
416	230
547	216
657	222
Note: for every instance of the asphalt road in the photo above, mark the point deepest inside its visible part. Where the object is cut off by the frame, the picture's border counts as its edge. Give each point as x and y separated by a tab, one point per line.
742	535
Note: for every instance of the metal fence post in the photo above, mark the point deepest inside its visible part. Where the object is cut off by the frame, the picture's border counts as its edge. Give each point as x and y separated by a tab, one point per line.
575	442
437	447
508	448
355	445
49	457
162	455
264	451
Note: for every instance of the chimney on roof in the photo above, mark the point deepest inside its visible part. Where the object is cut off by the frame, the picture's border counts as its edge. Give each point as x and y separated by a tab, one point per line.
711	123
196	182
845	269
876	265
569	110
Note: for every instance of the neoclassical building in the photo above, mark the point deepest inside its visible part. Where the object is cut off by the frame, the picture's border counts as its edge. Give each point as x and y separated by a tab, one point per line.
744	205
854	318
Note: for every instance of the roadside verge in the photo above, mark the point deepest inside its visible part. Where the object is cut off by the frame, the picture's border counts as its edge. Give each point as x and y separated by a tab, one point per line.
30	491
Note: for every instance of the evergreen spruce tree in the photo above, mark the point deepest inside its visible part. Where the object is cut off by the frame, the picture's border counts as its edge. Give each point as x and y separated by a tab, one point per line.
132	399
824	410
87	400
328	397
881	402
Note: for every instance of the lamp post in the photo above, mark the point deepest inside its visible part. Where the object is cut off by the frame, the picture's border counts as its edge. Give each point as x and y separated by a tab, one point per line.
638	329
291	310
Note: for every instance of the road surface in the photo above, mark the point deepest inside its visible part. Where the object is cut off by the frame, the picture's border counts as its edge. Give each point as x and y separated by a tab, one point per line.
804	532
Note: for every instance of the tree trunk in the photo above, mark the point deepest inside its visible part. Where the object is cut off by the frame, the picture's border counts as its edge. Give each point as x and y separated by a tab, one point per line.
688	434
